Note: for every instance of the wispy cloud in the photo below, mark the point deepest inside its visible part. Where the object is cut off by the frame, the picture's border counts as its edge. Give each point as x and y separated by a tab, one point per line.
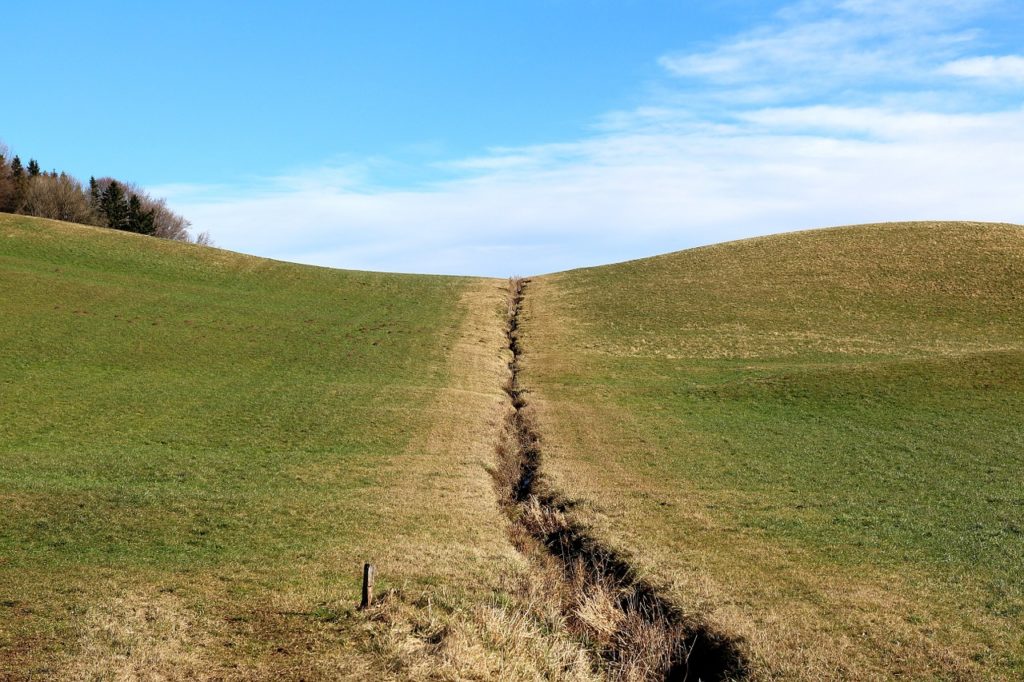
818	48
1007	69
835	113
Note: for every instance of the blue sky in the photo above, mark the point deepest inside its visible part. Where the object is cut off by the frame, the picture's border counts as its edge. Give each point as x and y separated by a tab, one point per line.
491	138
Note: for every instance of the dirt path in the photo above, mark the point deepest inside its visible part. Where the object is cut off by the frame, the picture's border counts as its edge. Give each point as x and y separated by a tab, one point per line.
454	602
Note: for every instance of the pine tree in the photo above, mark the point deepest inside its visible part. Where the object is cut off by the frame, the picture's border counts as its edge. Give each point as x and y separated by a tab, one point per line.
114	206
139	219
19	187
94	193
33	168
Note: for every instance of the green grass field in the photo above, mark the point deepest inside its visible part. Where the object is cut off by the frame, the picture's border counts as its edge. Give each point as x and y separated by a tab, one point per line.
198	450
812	441
815	437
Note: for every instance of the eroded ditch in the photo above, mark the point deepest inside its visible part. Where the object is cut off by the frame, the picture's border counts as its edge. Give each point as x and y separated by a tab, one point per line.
637	633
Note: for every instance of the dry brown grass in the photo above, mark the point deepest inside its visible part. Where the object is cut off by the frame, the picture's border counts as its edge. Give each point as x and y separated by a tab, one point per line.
136	636
437	635
485	617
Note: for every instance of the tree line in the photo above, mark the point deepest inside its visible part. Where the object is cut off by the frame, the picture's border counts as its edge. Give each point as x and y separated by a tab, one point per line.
105	202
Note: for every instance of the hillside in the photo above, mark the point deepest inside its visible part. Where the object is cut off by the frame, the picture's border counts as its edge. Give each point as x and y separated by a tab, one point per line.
798	455
812	439
199	449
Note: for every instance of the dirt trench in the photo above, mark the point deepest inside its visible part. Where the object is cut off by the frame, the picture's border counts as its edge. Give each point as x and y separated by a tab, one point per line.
635	632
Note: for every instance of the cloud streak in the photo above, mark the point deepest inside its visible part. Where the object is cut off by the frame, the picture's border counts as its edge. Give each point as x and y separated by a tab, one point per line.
796	124
1008	69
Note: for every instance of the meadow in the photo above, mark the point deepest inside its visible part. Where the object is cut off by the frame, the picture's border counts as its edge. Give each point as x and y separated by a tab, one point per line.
807	442
812	439
199	450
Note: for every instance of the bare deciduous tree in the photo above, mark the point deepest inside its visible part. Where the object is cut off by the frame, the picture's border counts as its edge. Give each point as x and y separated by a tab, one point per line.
62	197
57	196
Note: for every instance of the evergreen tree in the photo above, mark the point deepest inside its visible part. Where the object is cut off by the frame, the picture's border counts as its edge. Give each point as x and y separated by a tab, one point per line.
94	193
114	206
139	219
19	187
33	168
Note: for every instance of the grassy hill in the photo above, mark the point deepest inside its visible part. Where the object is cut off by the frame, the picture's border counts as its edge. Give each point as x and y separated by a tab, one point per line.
810	441
198	450
814	439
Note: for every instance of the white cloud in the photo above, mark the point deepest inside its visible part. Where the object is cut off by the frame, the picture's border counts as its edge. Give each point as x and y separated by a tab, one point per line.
743	155
827	46
632	194
1008	68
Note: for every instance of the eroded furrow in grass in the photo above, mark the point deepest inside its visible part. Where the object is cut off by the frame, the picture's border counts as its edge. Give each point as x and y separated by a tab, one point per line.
637	634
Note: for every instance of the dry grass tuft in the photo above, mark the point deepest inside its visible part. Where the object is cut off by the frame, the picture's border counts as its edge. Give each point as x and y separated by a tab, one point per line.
435	636
140	637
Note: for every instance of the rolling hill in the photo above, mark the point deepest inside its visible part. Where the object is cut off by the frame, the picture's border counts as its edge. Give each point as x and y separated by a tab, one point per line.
812	438
808	443
199	449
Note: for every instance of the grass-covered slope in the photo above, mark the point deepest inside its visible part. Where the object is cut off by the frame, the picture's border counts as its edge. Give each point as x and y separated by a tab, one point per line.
198	449
815	437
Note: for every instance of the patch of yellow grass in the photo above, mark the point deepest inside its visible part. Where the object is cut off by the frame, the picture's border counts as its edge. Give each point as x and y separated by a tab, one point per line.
140	636
439	635
486	617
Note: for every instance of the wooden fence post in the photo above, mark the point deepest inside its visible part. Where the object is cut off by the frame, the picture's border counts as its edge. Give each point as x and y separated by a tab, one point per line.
367	587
